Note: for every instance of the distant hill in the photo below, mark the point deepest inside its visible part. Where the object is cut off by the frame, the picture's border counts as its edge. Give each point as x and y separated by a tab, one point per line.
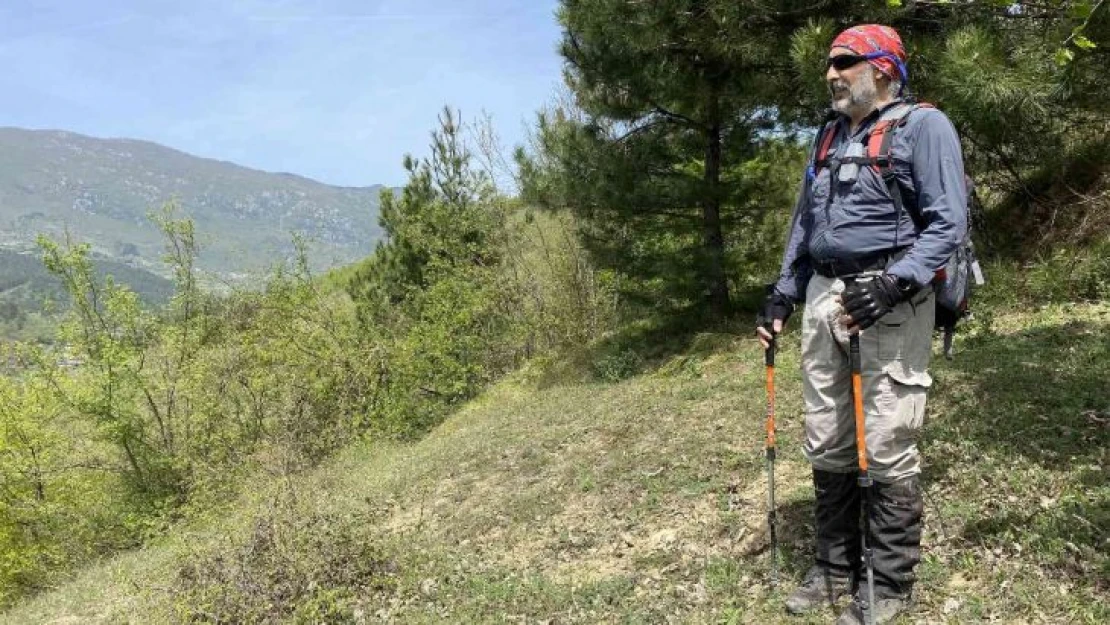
102	189
26	286
22	272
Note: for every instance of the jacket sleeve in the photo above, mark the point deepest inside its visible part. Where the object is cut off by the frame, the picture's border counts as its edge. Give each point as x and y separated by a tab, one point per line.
938	178
796	269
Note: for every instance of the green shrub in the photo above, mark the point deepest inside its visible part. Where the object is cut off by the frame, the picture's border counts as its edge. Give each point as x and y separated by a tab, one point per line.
618	365
1065	275
1071	274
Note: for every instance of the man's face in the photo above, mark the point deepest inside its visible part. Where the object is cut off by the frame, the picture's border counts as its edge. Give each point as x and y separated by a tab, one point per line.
853	89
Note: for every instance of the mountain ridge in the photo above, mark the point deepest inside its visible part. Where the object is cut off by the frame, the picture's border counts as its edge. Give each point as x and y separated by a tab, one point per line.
101	189
161	146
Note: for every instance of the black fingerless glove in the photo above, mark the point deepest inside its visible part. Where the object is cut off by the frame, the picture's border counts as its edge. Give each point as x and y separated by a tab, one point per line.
867	301
776	306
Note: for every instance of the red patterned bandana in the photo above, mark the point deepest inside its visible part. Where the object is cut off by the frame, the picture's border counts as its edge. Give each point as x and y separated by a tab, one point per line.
867	39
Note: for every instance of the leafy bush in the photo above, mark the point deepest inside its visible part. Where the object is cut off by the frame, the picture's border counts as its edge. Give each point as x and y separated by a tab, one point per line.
618	365
58	506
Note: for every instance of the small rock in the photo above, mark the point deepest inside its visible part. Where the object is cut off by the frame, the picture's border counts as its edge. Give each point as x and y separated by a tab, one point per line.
664	538
951	605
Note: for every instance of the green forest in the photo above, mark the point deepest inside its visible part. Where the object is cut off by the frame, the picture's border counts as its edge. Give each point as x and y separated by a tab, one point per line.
540	398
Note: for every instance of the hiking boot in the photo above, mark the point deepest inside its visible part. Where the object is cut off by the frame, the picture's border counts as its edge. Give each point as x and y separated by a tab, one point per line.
895	517
836	512
820	588
886	609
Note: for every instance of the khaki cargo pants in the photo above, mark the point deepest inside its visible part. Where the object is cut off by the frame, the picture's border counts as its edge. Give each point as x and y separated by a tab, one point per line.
895	358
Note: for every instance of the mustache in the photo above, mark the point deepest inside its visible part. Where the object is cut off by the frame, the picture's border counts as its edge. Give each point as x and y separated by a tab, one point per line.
837	86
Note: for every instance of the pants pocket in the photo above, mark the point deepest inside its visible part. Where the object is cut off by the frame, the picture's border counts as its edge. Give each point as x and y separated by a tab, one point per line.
908	409
891	332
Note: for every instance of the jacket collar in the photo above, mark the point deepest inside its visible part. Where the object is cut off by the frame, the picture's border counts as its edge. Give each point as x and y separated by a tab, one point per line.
844	123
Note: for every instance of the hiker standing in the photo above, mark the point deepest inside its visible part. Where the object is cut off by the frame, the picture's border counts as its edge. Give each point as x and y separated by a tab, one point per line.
871	227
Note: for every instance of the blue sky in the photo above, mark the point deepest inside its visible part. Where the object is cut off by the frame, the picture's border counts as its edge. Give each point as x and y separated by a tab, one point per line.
336	90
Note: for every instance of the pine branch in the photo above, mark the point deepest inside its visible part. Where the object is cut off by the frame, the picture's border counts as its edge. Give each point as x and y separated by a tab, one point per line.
639	129
677	117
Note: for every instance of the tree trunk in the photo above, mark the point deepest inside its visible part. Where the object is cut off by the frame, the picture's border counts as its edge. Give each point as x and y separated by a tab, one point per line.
711	213
133	461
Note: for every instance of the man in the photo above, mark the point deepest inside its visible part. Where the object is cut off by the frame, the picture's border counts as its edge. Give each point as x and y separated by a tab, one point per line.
862	263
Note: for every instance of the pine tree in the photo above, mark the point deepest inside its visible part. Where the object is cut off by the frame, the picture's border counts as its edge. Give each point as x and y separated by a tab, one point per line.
443	218
675	98
430	292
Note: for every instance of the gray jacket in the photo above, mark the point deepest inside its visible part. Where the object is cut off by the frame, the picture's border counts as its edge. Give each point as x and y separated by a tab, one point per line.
843	221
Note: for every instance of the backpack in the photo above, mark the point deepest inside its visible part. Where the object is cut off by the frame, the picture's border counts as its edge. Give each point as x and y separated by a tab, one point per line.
953	282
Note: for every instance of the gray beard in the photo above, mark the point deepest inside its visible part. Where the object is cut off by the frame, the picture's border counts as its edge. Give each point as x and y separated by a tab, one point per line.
859	99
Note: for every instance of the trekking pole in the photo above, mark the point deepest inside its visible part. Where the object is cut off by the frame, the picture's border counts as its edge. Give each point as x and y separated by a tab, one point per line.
769	359
865	481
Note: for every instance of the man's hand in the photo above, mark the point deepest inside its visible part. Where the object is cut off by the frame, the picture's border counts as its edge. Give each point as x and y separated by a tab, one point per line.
776	309
867	301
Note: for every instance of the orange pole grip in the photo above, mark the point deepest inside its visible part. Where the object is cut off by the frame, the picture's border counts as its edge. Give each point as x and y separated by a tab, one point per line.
861	435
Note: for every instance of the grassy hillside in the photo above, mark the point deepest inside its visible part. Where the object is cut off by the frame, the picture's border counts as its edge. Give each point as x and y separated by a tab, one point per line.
557	497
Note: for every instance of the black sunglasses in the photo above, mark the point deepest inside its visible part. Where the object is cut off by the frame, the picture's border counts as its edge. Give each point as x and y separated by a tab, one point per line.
844	61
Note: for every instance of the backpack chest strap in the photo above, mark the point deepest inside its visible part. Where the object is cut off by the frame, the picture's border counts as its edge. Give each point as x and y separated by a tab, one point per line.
879	141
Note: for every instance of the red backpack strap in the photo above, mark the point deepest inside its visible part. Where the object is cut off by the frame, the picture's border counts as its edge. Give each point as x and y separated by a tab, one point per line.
821	151
881	137
822	145
879	143
822	156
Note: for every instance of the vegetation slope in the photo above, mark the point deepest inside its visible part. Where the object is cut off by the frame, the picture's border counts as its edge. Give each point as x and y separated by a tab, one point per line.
627	485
